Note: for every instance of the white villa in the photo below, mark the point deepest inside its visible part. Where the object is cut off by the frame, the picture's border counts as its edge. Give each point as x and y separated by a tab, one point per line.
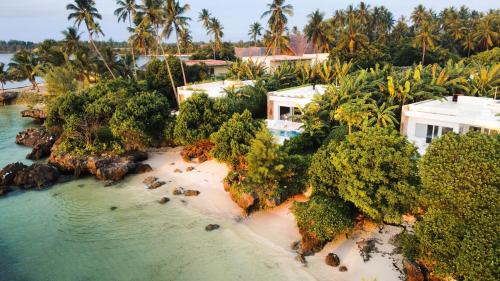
216	67
283	107
272	62
423	121
212	89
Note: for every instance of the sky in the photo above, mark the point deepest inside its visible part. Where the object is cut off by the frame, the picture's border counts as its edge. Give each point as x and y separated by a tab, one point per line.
36	20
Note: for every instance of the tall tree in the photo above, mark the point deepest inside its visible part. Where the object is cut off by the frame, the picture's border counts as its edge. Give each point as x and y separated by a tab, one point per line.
277	12
71	42
216	29
255	31
84	11
316	31
486	33
24	65
125	11
152	13
177	22
425	37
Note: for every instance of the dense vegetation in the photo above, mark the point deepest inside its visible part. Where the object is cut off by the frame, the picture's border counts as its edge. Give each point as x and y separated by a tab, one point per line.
349	154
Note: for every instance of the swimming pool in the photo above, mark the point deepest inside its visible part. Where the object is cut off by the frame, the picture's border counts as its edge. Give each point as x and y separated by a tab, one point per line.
284	134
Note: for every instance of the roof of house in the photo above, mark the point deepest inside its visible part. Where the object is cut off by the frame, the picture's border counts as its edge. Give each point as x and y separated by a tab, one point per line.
476	111
300	92
206	62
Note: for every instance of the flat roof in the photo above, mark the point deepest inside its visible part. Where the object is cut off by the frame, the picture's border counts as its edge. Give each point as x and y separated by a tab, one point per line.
207	62
213	89
300	92
477	111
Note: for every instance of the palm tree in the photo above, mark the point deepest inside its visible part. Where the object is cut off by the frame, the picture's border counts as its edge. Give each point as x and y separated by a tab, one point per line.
152	15
486	34
3	75
383	115
177	22
255	31
425	37
71	42
204	17
215	28
468	42
186	40
142	37
277	12
125	11
84	11
316	32
24	65
352	37
419	15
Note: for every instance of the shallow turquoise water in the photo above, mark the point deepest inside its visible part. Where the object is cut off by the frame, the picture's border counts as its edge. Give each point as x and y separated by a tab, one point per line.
68	232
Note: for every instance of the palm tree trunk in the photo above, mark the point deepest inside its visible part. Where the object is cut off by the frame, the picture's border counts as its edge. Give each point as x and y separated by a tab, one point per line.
132	48
213	47
423	53
168	66
100	55
180	58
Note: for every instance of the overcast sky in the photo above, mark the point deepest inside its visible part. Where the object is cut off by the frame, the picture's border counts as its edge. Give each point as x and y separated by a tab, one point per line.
35	20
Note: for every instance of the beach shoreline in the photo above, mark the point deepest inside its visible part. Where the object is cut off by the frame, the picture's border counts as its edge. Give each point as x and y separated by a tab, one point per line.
276	228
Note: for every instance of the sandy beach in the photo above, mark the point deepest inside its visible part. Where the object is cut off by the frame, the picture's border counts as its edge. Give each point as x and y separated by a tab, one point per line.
276	227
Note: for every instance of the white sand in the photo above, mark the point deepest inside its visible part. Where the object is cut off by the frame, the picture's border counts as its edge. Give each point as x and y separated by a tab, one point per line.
277	227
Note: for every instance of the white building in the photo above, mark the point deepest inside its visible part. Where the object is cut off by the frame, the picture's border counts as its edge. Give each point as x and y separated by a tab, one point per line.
283	108
215	67
272	62
215	89
423	121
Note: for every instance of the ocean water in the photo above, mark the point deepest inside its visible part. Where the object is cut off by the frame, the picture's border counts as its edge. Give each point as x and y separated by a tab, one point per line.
68	232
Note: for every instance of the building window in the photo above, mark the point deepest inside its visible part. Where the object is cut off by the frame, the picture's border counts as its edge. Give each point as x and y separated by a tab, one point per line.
474	129
432	133
420	130
446	130
285	112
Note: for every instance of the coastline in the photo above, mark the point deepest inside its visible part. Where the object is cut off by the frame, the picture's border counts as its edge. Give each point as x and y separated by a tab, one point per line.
276	228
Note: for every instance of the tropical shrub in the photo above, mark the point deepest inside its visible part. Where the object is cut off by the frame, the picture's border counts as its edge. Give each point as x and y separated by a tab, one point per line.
458	234
61	80
141	120
376	170
198	118
232	140
324	218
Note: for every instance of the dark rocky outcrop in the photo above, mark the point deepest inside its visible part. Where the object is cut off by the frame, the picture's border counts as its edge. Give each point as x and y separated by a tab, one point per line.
36	176
142	168
178	191
413	271
7	176
105	168
7	97
39	139
37	114
212	227
332	260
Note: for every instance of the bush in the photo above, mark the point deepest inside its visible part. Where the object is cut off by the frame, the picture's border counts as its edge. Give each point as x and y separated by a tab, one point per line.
324	218
460	189
232	141
376	170
141	121
200	150
61	80
157	78
198	118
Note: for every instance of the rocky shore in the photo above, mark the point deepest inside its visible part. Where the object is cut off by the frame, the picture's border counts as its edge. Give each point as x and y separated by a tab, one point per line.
35	113
7	97
39	139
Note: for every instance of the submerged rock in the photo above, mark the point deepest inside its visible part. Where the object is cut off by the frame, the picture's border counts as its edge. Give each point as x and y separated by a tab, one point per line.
164	200
295	245
178	191
178	171
212	227
142	168
112	208
343	268
156	184
332	260
189	169
149	180
301	258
